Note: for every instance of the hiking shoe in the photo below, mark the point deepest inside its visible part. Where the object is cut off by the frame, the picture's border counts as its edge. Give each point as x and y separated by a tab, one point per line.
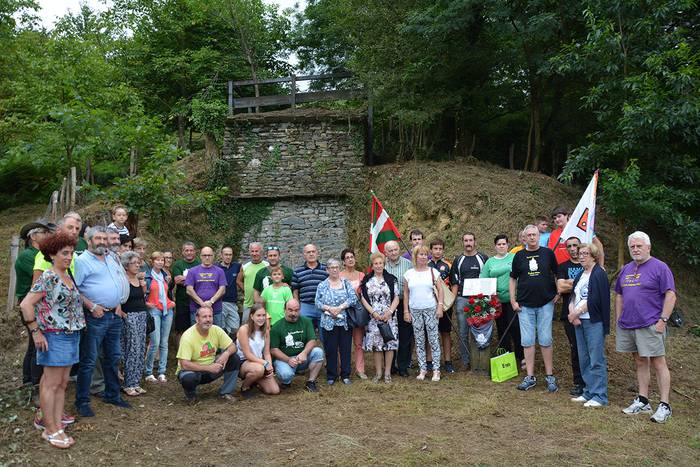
551	381
449	368
662	414
637	407
528	383
576	390
347	381
151	379
311	386
592	403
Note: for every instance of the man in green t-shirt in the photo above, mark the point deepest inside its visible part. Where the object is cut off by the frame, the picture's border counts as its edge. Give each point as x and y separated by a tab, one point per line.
197	362
182	300
293	347
32	233
246	280
263	277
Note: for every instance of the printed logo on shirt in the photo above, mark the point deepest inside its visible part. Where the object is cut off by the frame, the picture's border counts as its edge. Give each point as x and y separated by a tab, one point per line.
206	277
207	350
632	280
290	341
532	264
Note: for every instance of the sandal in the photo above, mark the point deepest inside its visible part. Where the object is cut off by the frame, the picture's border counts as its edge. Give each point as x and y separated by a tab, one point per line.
57	440
376	378
421	375
436	375
387	379
140	390
131	392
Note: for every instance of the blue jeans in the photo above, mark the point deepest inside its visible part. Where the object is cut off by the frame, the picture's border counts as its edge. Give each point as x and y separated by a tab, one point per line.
310	311
536	320
159	340
102	332
218	319
229	314
285	373
590	340
464	333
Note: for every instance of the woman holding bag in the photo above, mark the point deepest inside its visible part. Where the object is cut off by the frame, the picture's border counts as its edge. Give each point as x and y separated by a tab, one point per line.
380	297
358	331
334	296
423	309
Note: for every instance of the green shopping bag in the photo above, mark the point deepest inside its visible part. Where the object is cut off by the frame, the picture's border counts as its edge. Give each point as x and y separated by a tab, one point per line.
503	366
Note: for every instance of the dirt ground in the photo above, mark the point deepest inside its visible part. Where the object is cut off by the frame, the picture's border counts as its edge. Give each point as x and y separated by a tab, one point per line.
463	419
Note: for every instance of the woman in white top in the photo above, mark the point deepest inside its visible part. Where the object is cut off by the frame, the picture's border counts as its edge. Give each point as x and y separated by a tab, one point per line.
254	352
421	308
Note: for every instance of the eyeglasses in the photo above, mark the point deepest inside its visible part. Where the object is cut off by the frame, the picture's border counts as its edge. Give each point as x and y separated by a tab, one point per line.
273	248
205	256
583	253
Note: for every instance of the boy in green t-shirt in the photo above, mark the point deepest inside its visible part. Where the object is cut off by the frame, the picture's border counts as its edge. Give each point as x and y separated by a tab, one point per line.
276	296
293	347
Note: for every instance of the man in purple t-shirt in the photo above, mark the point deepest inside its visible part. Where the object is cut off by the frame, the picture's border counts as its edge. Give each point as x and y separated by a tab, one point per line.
645	296
206	284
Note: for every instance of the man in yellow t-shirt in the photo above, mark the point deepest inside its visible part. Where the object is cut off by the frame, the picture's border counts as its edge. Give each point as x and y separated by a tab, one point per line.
197	362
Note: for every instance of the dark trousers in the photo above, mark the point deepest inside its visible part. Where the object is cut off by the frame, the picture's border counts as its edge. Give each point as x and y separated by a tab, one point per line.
575	367
403	356
191	379
31	372
333	341
511	342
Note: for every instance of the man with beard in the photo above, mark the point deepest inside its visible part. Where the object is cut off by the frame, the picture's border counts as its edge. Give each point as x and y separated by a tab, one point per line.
100	284
182	301
197	362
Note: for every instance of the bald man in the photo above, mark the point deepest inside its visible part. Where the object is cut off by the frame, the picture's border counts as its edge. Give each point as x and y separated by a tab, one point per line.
206	284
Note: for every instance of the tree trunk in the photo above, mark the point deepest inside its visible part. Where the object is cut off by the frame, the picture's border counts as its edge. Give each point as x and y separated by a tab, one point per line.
181	131
511	156
529	143
621	246
211	148
537	130
132	162
88	170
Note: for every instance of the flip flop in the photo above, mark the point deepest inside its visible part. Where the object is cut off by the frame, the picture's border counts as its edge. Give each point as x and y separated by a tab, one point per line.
57	441
132	392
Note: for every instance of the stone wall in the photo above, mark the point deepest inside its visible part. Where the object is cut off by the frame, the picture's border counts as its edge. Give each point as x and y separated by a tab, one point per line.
293	223
295	153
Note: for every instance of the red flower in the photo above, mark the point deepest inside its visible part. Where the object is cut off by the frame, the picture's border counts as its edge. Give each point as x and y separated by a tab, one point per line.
471	300
477	308
480	295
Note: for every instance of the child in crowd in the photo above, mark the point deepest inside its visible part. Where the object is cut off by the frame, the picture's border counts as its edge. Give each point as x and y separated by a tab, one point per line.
275	296
119	216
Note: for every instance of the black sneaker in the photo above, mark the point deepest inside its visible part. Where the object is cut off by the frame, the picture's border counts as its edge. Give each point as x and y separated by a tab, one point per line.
449	367
311	386
429	365
119	403
576	390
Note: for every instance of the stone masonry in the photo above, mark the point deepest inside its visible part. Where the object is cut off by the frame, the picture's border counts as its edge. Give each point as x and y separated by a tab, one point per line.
308	162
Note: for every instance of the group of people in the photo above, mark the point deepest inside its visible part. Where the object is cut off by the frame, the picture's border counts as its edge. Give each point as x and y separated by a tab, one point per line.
111	306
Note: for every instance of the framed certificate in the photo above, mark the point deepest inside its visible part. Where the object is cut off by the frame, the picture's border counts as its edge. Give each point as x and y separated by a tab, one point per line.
486	286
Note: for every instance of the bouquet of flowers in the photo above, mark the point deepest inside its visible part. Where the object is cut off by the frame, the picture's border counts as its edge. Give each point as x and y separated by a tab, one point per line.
481	309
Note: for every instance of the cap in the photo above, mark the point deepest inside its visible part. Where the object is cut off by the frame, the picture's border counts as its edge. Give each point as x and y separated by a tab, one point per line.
27	228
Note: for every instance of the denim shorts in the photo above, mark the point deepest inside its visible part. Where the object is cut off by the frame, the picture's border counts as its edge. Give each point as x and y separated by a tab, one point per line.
63	349
536	323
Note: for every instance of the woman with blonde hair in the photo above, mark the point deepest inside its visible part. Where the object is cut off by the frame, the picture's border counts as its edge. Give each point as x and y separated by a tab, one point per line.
162	309
423	309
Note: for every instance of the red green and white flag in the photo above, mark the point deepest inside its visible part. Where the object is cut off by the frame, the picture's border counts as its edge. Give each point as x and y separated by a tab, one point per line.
382	228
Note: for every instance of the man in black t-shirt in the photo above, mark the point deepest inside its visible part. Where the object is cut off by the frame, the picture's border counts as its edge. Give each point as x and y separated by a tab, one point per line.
568	271
533	277
465	266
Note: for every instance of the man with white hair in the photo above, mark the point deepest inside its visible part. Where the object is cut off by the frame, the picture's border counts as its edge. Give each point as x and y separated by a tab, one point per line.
397	265
71	224
645	295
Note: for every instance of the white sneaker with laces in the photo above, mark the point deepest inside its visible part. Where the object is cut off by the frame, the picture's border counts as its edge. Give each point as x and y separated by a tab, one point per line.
662	414
579	399
637	407
592	403
151	379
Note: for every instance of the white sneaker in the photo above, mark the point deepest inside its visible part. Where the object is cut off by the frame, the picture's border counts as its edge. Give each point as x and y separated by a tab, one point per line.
151	379
579	399
662	414
592	403
637	407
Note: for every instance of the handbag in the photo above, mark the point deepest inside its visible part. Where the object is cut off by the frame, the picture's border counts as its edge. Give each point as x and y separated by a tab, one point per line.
503	366
358	317
385	331
448	298
150	324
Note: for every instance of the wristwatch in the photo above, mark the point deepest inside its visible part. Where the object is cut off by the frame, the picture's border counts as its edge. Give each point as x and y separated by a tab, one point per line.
35	330
663	319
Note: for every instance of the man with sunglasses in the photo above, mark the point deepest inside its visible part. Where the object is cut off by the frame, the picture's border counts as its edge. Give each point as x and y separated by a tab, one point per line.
263	279
568	271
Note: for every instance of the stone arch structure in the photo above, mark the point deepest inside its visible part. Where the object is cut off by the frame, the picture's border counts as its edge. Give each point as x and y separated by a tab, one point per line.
306	163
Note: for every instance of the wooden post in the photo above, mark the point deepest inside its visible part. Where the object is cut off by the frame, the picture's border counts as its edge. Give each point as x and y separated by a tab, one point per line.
54	203
73	185
62	197
294	92
14	252
132	162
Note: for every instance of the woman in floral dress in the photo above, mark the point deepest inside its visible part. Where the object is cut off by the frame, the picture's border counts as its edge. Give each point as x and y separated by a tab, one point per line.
380	296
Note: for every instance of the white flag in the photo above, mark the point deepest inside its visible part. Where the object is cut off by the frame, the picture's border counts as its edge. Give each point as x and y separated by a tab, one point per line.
582	220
